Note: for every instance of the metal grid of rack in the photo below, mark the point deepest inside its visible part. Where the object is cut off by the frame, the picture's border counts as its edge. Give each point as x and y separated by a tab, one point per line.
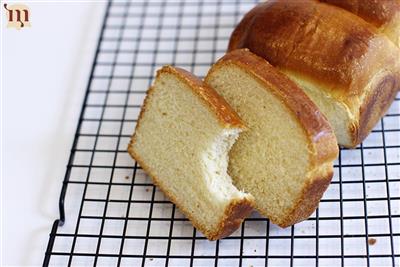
115	216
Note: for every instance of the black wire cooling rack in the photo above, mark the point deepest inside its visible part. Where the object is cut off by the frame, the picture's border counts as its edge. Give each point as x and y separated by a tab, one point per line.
111	214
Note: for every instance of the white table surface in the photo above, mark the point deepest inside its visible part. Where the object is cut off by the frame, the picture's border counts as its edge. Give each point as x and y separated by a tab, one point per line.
44	74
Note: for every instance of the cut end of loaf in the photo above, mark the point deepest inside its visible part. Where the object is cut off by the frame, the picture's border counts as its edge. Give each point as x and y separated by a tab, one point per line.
182	144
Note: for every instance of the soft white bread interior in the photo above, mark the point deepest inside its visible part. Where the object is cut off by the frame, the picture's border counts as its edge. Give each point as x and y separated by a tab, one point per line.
182	139
285	159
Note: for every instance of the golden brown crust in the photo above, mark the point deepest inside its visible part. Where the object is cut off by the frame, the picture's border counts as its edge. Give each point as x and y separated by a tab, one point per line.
225	114
233	216
375	105
306	36
383	14
314	123
376	12
335	50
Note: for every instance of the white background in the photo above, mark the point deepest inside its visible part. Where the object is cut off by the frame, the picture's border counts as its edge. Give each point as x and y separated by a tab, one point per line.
44	74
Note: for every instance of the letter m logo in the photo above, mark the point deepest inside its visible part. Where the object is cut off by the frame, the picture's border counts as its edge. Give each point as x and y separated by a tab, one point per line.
17	16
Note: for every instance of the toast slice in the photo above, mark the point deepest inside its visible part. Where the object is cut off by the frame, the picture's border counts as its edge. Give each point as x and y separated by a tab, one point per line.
182	139
285	159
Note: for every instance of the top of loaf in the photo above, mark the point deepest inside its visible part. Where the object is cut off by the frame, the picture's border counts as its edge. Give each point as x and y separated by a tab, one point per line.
376	12
224	113
320	43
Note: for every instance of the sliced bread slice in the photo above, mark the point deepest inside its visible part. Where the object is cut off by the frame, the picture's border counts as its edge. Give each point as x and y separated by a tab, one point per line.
182	139
285	159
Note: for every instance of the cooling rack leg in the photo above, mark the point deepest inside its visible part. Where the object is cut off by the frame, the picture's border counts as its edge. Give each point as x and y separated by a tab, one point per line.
51	243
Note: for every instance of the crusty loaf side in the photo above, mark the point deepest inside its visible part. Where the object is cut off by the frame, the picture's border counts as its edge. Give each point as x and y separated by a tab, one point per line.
376	102
321	148
383	14
237	205
332	54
